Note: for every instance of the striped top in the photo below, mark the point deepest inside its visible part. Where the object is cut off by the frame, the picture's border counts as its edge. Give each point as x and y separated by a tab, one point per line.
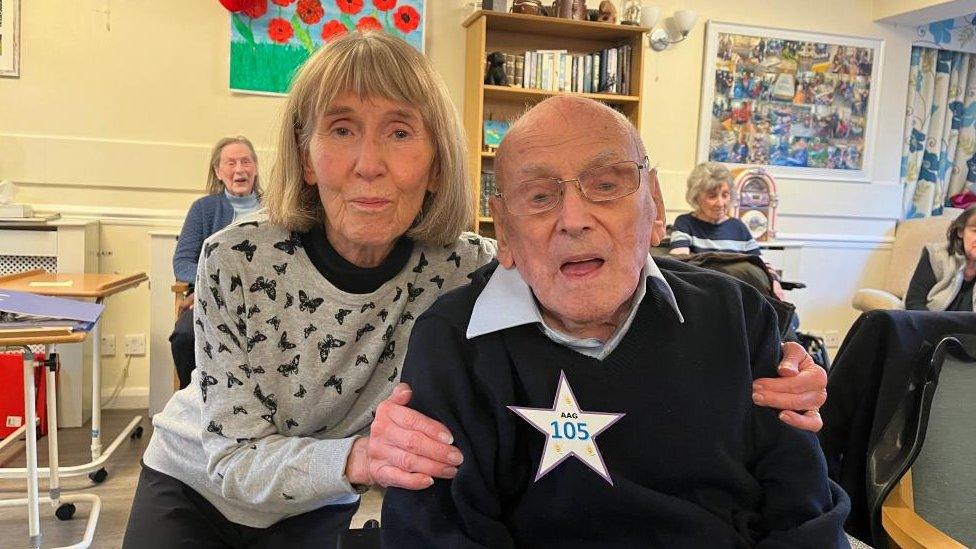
700	236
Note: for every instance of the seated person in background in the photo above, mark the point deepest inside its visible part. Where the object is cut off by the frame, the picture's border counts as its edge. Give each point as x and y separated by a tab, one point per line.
709	228
232	191
602	398
944	277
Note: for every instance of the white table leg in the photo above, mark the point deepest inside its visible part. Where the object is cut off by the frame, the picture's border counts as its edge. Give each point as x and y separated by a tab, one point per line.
33	511
96	419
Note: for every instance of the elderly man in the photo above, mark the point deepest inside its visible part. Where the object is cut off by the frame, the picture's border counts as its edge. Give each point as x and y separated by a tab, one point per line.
601	398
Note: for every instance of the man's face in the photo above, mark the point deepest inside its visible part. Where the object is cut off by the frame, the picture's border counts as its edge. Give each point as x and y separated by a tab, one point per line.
582	259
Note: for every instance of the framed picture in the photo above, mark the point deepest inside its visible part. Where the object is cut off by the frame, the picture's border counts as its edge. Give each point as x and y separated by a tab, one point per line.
495	131
10	38
800	104
269	40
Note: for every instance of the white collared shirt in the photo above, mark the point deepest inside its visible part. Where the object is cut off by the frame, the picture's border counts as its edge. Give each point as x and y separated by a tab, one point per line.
507	301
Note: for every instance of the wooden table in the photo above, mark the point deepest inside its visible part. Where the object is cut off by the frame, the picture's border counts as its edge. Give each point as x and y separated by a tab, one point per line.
85	286
64	505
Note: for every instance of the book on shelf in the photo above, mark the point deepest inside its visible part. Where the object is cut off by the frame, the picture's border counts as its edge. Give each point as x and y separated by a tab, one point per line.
24	310
606	71
487	191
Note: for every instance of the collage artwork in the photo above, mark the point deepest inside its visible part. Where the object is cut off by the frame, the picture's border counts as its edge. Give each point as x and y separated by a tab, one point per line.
789	103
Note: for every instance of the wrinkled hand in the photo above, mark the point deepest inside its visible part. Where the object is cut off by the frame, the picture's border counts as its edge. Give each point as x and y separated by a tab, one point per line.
802	385
186	303
407	449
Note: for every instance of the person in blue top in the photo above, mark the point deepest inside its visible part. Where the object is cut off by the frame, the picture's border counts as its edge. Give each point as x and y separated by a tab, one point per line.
232	191
709	228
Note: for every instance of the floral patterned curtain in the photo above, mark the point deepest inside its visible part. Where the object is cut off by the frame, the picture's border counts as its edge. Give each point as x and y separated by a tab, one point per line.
939	146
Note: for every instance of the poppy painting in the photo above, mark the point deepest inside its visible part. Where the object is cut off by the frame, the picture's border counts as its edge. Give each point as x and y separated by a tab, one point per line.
270	39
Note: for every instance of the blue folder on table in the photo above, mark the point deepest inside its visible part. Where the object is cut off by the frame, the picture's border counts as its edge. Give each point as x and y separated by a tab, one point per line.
27	310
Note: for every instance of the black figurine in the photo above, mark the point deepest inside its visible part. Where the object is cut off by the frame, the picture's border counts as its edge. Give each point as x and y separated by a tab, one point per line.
496	69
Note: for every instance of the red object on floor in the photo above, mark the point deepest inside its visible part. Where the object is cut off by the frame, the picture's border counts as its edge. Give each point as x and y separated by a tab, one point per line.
12	413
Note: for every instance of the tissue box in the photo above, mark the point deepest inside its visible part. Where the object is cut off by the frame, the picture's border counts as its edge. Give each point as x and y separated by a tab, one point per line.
16	210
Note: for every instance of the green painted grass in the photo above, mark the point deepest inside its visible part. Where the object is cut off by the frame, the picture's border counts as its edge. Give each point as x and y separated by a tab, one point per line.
264	67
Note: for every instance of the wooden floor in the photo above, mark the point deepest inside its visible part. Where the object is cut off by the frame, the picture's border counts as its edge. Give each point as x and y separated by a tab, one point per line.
116	492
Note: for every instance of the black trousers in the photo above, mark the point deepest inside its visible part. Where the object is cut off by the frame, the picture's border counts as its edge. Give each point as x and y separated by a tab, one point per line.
181	343
168	514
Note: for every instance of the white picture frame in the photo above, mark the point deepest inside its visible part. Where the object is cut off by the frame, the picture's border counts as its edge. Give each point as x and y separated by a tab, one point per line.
826	131
10	38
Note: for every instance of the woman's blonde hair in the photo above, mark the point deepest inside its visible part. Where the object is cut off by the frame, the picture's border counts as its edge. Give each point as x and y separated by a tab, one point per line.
373	65
705	178
215	185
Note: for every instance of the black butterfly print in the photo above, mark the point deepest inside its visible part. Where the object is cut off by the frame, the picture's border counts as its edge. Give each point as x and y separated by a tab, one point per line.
474	241
309	329
241	309
274	321
252	310
269	418
199	323
413	293
246	248
327	345
203	305
221	348
267	285
438	280
269	401
390	379
289	299
398	294
388	333
361	359
341	315
283	343
208	348
455	258
249	224
289	244
289	423
241	327
231	380
369	305
284	495
289	368
206	381
367	328
252	341
421	264
248	370
209	248
387	352
218	300
239	410
235	282
306	304
301	391
240	440
382	314
226	329
280	269
405	317
216	277
335	382
216	428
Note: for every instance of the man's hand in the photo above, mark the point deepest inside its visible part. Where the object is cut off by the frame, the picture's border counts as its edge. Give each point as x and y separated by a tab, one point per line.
802	385
186	303
407	449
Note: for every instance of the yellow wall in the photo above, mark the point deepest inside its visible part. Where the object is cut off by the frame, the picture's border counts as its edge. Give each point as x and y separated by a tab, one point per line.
909	11
119	101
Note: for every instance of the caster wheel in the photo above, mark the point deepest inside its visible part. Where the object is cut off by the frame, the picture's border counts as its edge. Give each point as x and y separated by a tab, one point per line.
65	511
137	434
98	476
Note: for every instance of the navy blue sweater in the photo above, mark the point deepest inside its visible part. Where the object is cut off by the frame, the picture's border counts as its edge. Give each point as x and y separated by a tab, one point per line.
207	215
694	462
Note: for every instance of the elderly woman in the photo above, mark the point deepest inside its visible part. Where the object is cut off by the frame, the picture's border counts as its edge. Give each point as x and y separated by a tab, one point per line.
709	228
305	311
232	191
946	272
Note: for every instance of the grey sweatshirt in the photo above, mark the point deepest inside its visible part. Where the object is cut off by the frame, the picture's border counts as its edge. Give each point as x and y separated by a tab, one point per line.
289	370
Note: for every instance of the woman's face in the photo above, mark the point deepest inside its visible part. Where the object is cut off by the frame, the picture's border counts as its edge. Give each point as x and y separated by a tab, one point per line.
968	234
713	205
371	161
237	169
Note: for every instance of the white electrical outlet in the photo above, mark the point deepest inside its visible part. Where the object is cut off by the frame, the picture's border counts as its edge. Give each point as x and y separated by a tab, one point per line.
135	344
107	345
831	338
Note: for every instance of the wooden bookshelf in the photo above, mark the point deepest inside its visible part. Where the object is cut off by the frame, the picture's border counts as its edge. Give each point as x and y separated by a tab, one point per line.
488	31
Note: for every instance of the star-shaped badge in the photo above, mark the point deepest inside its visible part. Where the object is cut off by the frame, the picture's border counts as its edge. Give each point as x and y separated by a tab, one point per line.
569	431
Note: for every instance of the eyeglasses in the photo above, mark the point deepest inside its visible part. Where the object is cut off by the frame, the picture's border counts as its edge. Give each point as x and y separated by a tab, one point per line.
602	184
